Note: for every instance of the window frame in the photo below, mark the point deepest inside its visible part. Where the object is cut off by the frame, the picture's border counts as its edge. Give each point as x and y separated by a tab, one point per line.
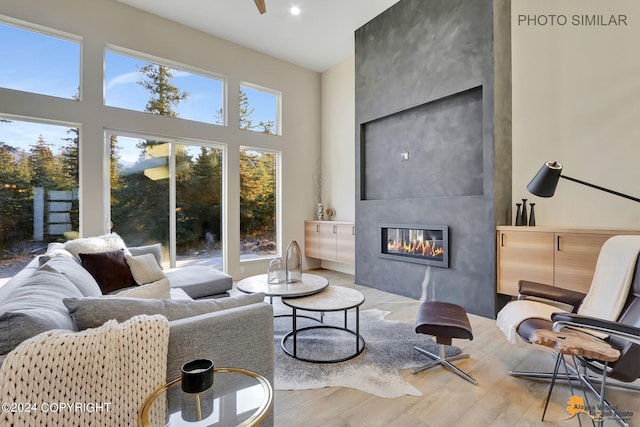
65	124
55	33
278	95
119	50
173	141
278	203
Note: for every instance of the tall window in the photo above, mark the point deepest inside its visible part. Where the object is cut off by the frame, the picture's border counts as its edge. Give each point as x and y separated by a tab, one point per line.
39	62
38	189
168	192
258	203
259	109
140	85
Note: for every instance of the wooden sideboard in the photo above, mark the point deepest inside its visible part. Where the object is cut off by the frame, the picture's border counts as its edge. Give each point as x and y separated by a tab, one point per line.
563	257
330	241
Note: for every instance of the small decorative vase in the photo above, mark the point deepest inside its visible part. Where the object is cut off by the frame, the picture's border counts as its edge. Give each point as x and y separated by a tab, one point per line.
293	263
320	212
277	271
532	215
525	219
518	214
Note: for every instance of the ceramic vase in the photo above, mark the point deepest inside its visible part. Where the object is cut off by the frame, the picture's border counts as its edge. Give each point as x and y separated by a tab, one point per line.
518	214
525	219
532	215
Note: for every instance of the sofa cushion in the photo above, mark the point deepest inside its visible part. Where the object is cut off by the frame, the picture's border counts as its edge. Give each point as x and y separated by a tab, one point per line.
158	289
90	245
199	281
72	270
16	281
144	268
155	250
91	312
35	306
110	269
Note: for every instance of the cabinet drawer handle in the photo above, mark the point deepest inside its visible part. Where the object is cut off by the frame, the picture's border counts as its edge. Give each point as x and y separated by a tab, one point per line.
558	244
353	230
317	228
334	229
502	239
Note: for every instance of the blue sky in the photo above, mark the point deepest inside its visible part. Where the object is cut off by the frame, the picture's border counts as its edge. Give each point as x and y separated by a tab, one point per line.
38	63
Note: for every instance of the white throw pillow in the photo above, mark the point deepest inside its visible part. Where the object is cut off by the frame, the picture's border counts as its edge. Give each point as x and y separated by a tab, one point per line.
91	245
144	268
158	289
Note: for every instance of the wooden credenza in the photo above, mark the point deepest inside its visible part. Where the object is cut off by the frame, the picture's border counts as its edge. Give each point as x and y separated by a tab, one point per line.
563	257
330	241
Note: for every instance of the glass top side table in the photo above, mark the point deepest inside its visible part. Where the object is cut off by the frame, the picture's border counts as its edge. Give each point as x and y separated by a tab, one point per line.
238	397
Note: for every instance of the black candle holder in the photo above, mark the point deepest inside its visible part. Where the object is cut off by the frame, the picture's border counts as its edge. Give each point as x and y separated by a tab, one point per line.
197	376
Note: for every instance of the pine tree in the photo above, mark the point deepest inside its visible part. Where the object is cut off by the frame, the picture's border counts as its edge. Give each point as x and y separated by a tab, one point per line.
15	197
246	121
164	94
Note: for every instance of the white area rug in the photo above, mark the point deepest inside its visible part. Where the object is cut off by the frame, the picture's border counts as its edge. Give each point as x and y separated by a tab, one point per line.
389	348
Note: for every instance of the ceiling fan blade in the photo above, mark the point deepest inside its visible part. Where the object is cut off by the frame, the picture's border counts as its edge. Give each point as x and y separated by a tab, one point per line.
261	6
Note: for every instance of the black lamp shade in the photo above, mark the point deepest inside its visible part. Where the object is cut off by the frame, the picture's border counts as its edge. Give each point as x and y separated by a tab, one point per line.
545	182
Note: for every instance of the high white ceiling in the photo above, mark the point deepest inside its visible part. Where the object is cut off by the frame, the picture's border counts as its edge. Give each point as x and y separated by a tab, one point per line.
318	38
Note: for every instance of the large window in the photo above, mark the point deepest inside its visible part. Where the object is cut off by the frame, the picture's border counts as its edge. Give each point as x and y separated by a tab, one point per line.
38	189
141	85
258	203
259	109
168	192
40	62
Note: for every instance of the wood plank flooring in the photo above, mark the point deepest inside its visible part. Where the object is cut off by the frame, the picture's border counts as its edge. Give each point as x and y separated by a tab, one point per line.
448	400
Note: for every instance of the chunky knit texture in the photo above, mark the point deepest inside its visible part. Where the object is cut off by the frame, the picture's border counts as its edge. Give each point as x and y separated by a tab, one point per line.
116	365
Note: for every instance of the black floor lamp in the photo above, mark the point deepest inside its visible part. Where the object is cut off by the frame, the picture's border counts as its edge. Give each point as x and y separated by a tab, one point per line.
545	182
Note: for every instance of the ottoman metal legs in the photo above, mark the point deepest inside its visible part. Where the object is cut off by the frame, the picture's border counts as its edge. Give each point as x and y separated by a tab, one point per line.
444	321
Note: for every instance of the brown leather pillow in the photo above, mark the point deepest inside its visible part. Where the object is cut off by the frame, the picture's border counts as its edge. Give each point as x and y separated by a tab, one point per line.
110	269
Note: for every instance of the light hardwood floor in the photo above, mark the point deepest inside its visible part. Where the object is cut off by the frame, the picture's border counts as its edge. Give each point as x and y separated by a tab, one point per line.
448	400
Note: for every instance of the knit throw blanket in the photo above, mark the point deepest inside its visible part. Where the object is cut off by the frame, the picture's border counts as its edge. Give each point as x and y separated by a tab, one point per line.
96	377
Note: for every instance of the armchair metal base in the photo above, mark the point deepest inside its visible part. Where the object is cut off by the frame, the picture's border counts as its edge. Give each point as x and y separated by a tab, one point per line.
587	381
443	360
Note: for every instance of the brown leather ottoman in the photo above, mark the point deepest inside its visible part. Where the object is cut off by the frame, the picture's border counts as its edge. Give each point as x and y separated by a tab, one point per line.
444	321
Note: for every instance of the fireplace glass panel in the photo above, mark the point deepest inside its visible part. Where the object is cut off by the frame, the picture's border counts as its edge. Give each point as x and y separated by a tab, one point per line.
419	244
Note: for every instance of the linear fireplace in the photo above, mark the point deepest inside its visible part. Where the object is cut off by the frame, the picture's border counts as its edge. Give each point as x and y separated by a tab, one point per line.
422	244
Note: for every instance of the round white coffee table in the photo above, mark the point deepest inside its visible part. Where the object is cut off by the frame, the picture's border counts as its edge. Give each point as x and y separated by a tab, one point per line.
310	284
333	298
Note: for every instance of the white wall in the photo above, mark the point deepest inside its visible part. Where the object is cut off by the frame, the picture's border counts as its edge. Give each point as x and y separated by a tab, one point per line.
101	22
338	145
576	99
337	142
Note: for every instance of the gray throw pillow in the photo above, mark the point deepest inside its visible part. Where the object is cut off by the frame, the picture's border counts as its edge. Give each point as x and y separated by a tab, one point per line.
92	312
155	250
35	307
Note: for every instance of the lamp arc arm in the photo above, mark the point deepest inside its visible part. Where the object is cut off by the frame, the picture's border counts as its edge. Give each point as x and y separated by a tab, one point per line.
597	187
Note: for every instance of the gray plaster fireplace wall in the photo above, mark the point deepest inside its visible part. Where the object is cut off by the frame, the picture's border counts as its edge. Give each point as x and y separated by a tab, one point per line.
433	129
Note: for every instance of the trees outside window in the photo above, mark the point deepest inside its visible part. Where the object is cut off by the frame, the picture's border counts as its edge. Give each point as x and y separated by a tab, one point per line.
259	109
258	203
167	191
38	189
138	84
160	186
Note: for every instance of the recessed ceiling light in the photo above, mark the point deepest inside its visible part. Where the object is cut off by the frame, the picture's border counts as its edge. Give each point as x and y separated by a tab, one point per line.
295	10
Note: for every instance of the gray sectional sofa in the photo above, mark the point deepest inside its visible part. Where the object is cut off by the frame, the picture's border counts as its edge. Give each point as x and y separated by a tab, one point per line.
55	292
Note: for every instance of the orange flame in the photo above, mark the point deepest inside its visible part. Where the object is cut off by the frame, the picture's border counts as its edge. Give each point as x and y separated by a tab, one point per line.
415	247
